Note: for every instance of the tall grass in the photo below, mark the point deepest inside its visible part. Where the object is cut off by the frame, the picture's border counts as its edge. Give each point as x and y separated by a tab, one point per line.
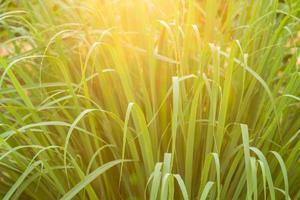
149	99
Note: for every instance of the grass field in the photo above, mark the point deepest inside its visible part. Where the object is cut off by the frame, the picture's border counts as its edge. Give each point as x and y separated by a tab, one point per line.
149	99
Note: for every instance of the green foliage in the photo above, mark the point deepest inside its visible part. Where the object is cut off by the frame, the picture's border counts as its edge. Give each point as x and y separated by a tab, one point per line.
133	99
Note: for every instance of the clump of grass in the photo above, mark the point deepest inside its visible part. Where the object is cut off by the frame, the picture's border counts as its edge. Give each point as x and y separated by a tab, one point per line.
149	99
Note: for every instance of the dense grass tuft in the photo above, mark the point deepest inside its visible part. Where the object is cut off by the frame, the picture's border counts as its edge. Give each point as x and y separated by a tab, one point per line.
149	99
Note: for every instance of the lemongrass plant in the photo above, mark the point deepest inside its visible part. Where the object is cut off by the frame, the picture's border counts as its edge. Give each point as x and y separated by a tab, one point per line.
149	99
